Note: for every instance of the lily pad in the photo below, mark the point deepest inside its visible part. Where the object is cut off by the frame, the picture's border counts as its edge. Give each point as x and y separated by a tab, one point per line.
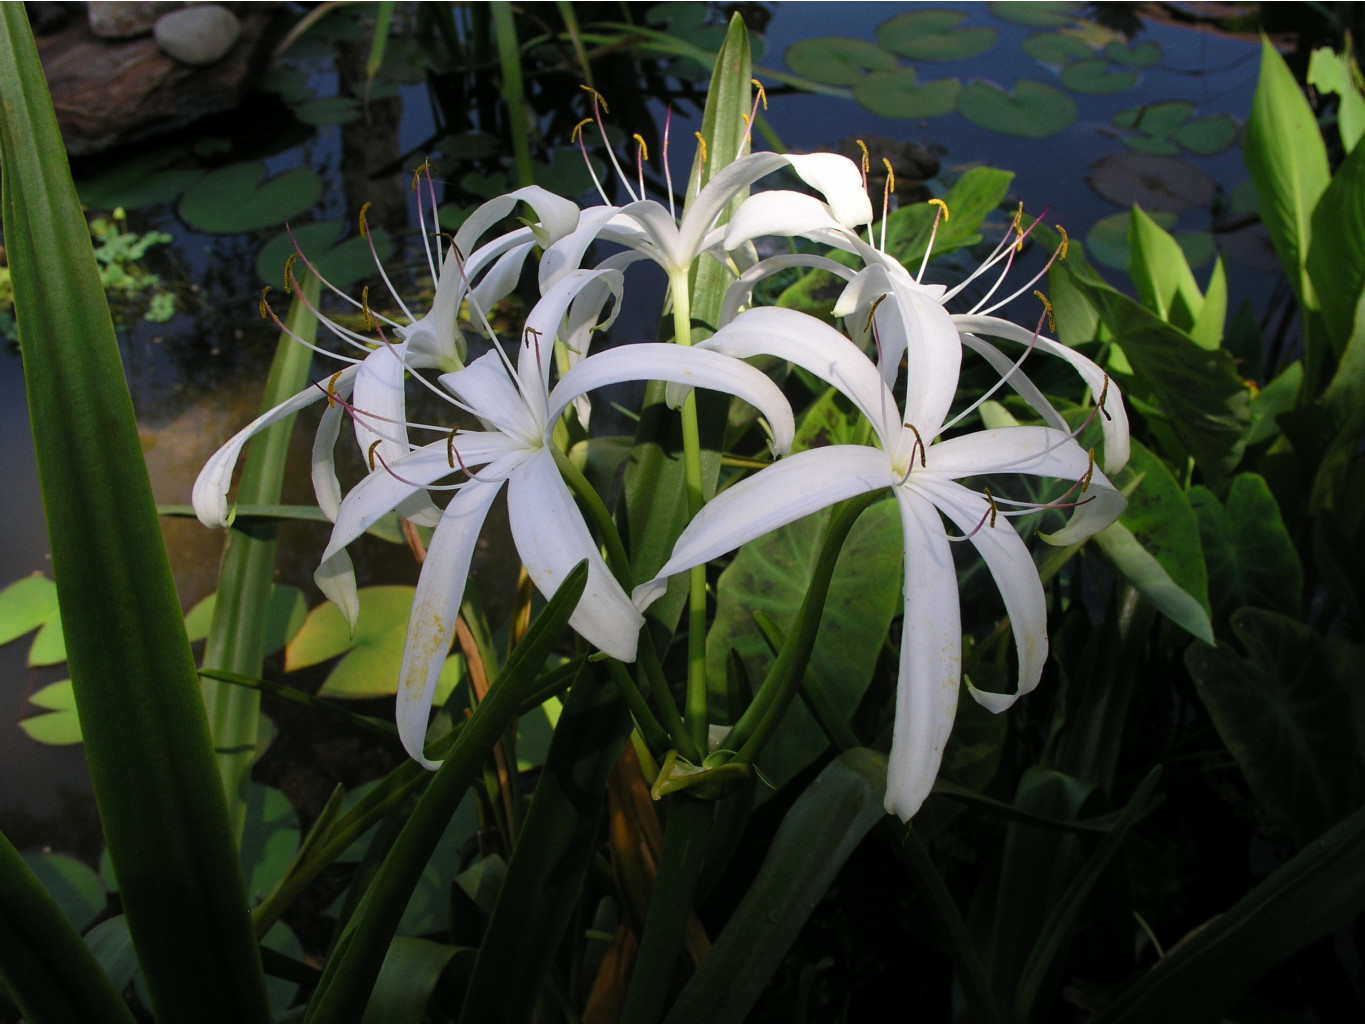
485	186
1167	129
1056	48
29	604
565	173
1207	136
74	885
234	199
141	181
284	614
342	263
837	60
1151	181
58	726
373	656
1097	78
1033	110
896	94
1107	240
935	35
1154	118
1140	55
1038	13
329	110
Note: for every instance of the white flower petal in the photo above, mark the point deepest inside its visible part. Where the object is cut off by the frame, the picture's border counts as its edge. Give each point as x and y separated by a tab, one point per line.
435	339
486	387
930	661
325	484
840	181
738	295
380	408
693	367
1020	383
557	216
551	539
211	486
545	323
431	626
785	214
773	497
568	252
335	577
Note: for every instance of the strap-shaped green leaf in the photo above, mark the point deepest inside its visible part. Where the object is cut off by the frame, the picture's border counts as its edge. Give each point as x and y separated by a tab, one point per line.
146	737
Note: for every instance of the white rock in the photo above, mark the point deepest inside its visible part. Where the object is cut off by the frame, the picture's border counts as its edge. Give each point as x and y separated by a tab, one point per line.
198	35
113	20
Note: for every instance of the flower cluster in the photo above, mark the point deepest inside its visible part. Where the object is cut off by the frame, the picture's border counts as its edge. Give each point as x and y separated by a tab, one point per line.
912	451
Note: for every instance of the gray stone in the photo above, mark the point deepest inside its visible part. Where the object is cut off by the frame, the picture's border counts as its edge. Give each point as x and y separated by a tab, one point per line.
198	35
110	20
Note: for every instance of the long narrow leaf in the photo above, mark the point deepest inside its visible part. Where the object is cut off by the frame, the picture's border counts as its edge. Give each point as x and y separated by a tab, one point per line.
146	737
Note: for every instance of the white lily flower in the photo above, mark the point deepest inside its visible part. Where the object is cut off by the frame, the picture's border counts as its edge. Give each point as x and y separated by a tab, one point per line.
519	412
923	475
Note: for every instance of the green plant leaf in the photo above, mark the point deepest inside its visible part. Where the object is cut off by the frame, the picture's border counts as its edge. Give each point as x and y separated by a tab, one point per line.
1033	110
1336	255
74	885
284	617
329	110
342	263
137	182
1207	135
935	35
1163	279
1155	118
270	840
1097	78
823	828
373	655
409	975
1145	54
1330	72
60	726
1138	566
771	574
837	60
29	604
1038	13
896	94
1291	711
1055	48
1107	240
233	199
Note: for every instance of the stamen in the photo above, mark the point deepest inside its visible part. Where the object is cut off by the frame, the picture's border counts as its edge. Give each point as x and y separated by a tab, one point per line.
370	455
1089	470
942	206
642	154
762	94
289	271
919	443
887	191
1104	394
990	500
668	171
1061	251
866	161
1018	219
370	322
266	312
450	448
1047	306
364	228
873	311
644	150
596	98
578	130
526	340
701	146
940	213
332	389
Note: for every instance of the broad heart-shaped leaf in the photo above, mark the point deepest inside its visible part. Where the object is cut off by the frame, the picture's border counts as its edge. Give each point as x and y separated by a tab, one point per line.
1142	55
59	726
1207	135
29	604
1055	48
233	199
373	656
771	574
284	616
1292	712
342	263
1155	545
1156	118
1336	257
934	35
897	94
1033	111
837	60
1287	159
74	885
1250	557
137	182
1038	13
1098	77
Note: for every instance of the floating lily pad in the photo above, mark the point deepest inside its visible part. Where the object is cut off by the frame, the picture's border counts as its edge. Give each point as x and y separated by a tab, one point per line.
285	611
1166	129
1056	48
896	94
1038	13
1152	182
1033	111
1208	135
233	199
58	726
1097	78
138	182
341	263
1107	240
1140	55
837	60
934	35
485	186
1155	118
29	604
565	173
373	656
329	110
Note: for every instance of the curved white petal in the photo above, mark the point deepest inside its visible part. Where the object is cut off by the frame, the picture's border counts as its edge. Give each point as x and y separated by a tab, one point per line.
1016	380
840	181
379	404
335	577
497	282
930	661
1114	424
551	539
1011	566
557	216
435	339
545	323
787	214
486	387
657	234
326	486
933	353
773	497
431	626
209	496
696	367
738	295
569	251
703	209
815	346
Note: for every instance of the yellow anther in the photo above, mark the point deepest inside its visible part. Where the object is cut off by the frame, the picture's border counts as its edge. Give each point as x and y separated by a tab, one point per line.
450	447
943	205
332	389
370	454
745	119
1089	470
762	93
919	443
1018	226
873	312
364	228
597	97
1051	320
644	150
890	176
990	500
573	135
365	308
264	306
1104	394
289	271
1061	252
701	146
867	159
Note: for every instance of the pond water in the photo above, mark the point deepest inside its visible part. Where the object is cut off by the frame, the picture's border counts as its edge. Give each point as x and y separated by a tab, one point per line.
196	378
